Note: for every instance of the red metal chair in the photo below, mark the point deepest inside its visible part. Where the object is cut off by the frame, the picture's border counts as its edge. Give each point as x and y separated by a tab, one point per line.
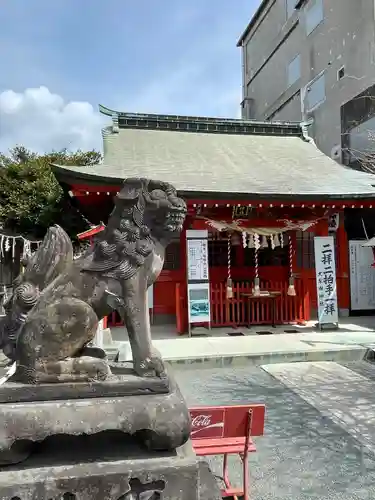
227	430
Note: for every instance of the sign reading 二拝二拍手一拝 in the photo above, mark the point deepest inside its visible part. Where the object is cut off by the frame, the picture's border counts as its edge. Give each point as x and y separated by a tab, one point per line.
325	267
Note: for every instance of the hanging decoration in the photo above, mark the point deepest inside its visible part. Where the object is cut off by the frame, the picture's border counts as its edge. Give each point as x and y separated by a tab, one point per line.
272	240
264	242
256	289
229	279
291	288
8	245
26	251
256	241
262	238
13	249
244	239
250	242
284	225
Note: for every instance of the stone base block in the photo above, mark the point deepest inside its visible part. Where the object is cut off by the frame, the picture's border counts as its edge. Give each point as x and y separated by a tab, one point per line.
152	410
107	467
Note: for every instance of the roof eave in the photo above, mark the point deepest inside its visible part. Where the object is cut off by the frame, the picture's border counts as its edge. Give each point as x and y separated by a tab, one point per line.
318	197
106	111
253	20
68	176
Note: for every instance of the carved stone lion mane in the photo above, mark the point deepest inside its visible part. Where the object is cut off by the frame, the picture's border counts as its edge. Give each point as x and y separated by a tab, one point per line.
145	211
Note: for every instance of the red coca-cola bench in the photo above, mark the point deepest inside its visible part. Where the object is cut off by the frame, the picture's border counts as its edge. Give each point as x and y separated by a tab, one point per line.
227	430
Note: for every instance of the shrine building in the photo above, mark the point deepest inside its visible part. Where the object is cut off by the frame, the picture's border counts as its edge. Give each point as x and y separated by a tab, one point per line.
258	192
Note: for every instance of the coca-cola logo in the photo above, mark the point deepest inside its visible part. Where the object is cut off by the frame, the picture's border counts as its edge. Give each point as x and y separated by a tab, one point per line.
207	425
201	421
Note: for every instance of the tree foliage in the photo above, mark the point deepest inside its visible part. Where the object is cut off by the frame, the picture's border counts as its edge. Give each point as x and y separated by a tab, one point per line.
31	199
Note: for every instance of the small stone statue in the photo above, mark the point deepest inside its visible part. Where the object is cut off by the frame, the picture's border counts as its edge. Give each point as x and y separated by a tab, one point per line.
57	302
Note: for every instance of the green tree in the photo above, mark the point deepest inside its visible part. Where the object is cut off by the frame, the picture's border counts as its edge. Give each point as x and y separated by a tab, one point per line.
31	199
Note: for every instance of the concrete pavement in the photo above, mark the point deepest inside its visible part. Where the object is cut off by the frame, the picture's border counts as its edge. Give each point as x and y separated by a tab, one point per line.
259	349
256	346
310	449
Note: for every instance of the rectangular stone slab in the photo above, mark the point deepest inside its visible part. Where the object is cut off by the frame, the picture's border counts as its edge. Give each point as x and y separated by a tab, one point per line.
122	385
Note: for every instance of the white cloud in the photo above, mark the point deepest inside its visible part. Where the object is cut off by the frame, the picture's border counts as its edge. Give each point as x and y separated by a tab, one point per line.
43	121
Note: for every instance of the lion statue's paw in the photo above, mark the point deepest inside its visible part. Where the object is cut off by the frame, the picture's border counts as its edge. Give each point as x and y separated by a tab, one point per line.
152	366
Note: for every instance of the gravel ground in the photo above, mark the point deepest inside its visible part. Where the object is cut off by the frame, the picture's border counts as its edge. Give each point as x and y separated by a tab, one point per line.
303	455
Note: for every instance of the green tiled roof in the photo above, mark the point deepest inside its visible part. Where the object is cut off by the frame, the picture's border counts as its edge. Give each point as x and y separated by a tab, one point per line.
263	164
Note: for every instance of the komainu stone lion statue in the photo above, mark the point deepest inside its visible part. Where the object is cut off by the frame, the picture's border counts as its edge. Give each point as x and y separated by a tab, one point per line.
57	302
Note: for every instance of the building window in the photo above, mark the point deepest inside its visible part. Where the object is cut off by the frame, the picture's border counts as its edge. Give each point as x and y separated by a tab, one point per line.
290	7
294	70
313	15
341	73
316	92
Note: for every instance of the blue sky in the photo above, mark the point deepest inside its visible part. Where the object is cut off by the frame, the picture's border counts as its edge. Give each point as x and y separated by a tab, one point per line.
164	56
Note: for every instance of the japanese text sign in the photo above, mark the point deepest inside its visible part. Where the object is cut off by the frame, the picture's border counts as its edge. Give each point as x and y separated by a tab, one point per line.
325	267
197	254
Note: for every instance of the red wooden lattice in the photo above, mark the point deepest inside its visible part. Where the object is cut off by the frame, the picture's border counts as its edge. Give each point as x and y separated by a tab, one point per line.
240	311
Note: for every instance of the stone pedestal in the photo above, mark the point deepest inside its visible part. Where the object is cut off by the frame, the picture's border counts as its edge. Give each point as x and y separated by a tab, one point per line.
123	439
152	409
106	468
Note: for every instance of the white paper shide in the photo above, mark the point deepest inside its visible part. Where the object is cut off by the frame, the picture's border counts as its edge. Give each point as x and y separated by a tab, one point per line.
325	266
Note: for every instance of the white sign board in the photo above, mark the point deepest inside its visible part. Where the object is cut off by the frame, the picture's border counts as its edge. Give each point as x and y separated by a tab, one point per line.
325	267
197	251
362	276
199	302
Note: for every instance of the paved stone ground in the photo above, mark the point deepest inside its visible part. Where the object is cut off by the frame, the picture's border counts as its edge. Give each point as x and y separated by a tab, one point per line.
358	325
304	454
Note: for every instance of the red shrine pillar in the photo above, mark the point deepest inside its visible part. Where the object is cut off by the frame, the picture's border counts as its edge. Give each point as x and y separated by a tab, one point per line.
343	284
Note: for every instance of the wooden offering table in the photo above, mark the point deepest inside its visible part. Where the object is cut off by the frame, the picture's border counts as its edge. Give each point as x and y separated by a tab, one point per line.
271	296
